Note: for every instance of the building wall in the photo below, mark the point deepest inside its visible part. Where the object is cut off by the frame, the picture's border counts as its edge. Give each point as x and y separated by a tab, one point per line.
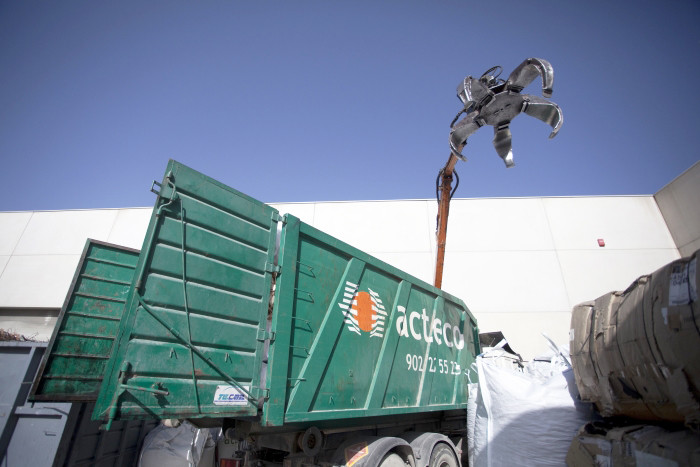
679	202
520	264
39	251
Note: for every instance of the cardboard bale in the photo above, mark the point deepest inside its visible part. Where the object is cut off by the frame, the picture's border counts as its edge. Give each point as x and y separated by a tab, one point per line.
676	324
605	354
640	384
643	345
588	449
580	339
603	443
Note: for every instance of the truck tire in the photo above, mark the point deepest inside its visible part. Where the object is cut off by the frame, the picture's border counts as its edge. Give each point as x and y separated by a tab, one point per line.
392	460
443	456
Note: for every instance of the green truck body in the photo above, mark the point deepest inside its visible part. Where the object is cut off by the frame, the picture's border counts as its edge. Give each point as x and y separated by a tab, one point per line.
236	312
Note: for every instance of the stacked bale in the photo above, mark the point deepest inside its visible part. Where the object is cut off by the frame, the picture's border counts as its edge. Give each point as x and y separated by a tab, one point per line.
601	443
637	353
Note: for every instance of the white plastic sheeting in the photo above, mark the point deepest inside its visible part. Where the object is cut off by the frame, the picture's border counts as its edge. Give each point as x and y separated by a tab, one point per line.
181	446
523	414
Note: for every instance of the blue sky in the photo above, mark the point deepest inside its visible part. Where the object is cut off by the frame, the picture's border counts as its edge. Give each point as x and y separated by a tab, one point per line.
336	100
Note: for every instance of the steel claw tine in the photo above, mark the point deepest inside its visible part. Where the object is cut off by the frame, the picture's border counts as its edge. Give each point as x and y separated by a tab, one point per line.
527	71
544	110
502	142
460	132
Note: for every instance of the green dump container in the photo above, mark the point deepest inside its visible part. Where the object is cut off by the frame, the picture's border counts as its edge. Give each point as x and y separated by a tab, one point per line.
236	311
73	368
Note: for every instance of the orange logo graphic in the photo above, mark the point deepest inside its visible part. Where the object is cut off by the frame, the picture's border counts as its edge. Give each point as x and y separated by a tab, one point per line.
363	311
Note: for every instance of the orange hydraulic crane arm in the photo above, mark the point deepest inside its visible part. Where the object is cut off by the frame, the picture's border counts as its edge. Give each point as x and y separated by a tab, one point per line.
445	193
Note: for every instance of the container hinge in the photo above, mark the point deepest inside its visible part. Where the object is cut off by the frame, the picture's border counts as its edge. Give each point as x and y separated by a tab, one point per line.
272	268
277	217
264	335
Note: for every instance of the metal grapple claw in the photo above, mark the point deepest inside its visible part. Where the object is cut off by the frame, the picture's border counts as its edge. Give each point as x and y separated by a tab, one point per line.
492	101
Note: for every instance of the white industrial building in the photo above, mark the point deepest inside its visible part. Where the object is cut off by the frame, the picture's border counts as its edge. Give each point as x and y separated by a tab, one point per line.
520	264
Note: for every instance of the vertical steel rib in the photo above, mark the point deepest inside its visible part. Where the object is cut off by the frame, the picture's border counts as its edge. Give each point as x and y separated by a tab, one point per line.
187	309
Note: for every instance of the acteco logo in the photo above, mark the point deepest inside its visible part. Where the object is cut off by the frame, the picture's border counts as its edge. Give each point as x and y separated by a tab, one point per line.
435	330
363	311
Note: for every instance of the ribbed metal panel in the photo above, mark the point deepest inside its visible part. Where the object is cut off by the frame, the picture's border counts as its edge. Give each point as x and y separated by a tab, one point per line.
189	342
73	367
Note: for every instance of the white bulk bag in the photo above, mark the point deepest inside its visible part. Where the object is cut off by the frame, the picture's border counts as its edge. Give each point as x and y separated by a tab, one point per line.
524	417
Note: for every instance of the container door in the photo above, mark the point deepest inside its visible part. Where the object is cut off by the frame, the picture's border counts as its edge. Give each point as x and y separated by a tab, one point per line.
191	341
73	366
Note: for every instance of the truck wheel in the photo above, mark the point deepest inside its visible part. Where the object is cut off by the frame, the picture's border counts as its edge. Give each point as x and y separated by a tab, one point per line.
392	460
443	456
